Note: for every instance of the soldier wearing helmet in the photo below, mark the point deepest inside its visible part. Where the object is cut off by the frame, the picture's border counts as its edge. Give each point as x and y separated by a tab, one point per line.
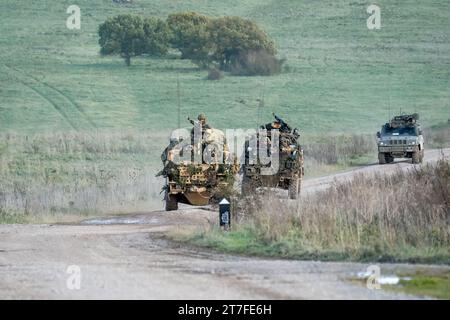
202	119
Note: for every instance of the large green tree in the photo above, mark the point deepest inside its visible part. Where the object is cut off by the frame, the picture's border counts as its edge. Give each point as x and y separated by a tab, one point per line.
130	35
157	36
234	36
191	35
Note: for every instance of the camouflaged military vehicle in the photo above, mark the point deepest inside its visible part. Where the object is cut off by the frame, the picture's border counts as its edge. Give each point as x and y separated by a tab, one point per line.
202	181
288	173
401	138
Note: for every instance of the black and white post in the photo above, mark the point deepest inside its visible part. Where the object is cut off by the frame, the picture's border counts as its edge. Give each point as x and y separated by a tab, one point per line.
224	214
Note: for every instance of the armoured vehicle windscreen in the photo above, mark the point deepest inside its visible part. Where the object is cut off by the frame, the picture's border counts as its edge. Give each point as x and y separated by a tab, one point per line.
402	131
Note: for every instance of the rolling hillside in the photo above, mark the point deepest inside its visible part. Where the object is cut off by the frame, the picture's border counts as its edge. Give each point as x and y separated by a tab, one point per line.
339	76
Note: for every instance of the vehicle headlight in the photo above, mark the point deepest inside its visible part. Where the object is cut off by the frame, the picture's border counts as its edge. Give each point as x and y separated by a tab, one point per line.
412	143
382	143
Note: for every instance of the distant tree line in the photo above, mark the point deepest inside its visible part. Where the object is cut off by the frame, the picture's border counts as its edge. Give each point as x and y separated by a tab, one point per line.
231	44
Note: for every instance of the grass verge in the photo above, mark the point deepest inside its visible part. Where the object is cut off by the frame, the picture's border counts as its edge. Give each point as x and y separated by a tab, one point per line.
400	217
247	242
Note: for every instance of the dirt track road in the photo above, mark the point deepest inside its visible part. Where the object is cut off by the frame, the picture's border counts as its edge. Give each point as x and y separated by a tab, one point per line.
125	257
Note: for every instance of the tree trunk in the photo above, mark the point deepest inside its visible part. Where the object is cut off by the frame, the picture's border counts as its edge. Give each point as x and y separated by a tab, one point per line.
128	60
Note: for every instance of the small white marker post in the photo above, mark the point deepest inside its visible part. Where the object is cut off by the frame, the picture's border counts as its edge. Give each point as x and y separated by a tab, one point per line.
224	214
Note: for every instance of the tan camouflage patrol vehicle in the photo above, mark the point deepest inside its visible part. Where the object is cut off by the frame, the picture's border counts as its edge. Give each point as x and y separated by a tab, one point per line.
202	181
401	138
286	152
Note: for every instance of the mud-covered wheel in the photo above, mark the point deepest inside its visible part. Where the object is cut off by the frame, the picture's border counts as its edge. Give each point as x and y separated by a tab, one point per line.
171	202
422	155
389	159
416	157
294	188
382	158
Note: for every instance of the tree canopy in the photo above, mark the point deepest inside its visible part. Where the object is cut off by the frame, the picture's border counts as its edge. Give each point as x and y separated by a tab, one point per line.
130	35
190	35
234	36
229	43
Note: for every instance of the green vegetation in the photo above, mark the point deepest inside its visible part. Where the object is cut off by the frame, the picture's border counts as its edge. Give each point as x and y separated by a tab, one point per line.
434	283
232	43
395	218
247	241
234	37
338	77
190	35
75	124
131	36
437	286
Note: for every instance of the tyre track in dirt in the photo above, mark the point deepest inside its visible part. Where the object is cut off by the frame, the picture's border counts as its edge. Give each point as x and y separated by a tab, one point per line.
71	111
47	99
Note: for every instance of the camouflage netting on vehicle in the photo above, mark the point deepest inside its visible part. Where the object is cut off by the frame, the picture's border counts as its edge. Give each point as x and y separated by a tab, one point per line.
404	120
199	170
286	173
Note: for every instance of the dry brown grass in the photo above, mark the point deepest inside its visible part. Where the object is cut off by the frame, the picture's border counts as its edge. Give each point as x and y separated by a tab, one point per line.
78	174
376	213
332	150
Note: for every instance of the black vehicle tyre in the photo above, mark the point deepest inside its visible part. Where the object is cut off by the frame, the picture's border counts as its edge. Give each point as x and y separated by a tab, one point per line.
389	159
382	158
422	155
416	157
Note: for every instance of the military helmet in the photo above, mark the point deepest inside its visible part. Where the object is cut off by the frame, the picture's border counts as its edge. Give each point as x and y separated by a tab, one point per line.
276	125
201	117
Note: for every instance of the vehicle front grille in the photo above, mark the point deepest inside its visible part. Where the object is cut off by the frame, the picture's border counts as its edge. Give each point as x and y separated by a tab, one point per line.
398	142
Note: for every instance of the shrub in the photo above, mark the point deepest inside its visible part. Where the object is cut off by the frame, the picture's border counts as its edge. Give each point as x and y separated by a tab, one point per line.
234	36
256	63
214	74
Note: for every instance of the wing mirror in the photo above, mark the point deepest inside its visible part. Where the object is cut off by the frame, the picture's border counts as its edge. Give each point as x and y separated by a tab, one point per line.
378	135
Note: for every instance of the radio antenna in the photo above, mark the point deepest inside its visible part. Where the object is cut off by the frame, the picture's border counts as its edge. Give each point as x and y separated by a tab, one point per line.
260	104
178	101
389	96
389	106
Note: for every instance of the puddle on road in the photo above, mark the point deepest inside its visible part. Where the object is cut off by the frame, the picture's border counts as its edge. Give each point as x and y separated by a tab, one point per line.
121	220
382	279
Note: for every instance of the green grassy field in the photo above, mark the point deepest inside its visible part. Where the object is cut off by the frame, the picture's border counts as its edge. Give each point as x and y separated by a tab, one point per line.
339	76
81	133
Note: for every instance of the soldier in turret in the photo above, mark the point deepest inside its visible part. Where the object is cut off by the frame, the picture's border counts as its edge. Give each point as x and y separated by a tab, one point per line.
202	119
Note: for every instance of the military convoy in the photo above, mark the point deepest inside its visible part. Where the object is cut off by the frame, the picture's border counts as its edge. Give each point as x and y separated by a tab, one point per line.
202	182
401	138
272	157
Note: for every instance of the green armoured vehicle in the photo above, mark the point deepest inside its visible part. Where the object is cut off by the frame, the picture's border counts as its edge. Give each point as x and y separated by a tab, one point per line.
289	172
401	138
